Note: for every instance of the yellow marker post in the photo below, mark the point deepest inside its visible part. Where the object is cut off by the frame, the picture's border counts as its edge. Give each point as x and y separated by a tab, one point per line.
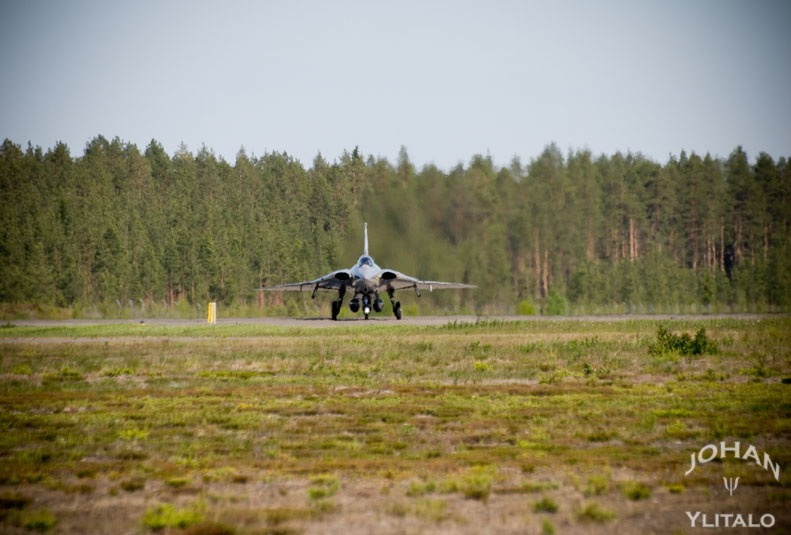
212	313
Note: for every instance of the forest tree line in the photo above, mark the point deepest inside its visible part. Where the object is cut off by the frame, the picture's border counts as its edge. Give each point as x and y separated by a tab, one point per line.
117	230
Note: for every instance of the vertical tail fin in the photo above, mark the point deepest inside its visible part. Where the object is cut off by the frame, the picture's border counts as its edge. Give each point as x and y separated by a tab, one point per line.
365	244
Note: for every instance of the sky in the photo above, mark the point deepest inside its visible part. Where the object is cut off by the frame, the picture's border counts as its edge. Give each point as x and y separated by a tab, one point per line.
445	79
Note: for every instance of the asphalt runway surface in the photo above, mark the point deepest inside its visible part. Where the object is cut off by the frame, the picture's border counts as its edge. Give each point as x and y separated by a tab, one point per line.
384	320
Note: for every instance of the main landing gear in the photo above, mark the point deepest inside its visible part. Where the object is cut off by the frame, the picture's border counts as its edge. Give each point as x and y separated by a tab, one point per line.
336	305
396	304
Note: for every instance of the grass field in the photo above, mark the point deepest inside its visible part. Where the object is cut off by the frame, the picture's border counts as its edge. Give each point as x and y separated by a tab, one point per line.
533	427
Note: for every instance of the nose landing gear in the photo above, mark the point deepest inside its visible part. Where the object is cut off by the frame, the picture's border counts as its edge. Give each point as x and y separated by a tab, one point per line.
366	306
366	303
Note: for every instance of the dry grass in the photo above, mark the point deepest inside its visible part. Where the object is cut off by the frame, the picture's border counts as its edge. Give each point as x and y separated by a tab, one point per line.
452	429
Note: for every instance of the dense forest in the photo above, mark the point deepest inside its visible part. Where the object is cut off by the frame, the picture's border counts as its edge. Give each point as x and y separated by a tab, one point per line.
120	232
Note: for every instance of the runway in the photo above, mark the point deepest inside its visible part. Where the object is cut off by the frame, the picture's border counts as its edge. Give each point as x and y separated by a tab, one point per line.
383	320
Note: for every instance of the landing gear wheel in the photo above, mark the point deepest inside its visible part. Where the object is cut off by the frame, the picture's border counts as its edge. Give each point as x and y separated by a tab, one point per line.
397	310
336	309
366	305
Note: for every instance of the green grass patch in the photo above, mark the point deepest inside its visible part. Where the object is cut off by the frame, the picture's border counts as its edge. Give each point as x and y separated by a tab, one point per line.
676	488
133	484
476	484
635	490
431	510
593	512
545	505
178	482
419	488
169	516
598	485
38	520
324	486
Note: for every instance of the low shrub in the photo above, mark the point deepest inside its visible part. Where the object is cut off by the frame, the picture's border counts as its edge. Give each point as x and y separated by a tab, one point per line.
667	342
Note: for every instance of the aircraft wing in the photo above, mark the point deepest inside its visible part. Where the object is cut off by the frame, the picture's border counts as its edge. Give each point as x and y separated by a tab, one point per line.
331	281
394	280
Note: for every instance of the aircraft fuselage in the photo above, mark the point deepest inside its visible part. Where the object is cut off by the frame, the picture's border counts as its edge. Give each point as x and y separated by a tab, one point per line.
366	275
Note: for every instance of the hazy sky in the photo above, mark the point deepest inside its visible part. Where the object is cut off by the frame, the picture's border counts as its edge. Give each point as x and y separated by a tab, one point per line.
446	79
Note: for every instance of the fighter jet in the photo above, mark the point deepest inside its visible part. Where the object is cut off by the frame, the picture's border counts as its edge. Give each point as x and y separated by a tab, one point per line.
366	281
